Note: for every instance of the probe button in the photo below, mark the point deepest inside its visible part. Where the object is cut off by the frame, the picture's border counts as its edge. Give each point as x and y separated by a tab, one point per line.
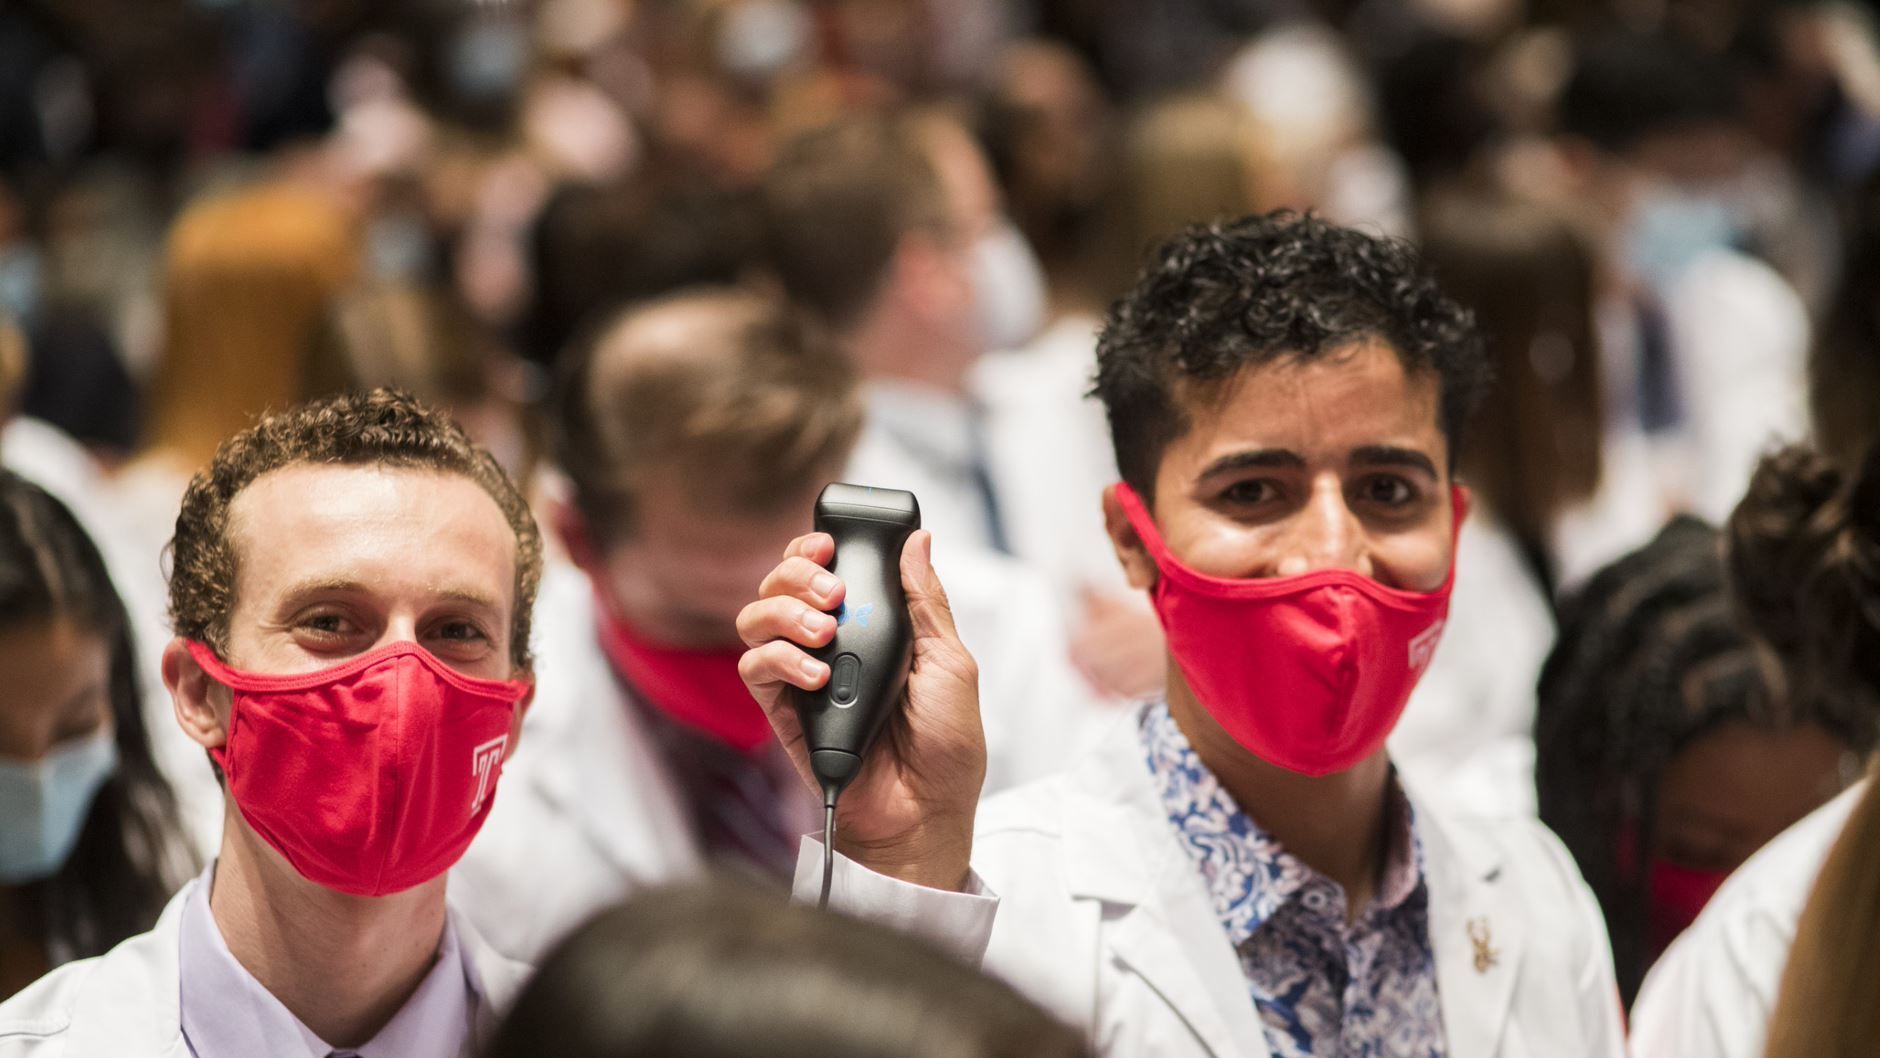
845	677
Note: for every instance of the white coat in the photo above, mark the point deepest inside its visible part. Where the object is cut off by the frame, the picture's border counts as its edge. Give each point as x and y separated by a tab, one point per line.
127	1003
1100	915
588	801
1713	991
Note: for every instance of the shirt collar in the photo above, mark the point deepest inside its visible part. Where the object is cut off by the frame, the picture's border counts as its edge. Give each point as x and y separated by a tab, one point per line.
1249	874
226	1013
932	423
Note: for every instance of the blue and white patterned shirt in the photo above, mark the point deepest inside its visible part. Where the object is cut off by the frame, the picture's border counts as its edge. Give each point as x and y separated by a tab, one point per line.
1324	988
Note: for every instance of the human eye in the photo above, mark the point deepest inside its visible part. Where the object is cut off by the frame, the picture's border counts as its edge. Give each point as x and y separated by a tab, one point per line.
1388	490
461	632
329	624
1250	492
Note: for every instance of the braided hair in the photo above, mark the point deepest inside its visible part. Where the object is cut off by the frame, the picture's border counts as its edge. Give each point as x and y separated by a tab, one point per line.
1651	657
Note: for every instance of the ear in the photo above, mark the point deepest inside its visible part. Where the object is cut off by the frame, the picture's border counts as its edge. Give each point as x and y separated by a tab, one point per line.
571	527
1138	564
522	710
194	697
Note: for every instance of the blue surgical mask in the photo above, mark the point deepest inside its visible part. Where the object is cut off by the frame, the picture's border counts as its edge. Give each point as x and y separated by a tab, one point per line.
1671	227
44	804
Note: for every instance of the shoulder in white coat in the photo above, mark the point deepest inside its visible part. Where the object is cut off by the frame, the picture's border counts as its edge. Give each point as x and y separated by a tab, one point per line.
1101	916
127	1002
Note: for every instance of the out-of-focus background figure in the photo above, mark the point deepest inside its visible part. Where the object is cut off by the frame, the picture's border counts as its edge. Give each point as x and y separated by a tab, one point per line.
722	970
538	213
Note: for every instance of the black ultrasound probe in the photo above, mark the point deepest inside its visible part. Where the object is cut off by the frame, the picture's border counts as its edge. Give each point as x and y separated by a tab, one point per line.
868	658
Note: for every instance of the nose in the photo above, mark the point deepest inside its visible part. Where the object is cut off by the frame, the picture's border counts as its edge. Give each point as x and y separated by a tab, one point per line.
402	628
1323	534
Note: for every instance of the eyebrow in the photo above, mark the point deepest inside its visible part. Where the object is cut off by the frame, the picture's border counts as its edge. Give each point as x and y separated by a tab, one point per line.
1257	458
346	586
1393	456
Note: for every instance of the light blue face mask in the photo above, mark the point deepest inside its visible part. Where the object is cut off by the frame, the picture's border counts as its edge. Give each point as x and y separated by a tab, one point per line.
1670	228
44	804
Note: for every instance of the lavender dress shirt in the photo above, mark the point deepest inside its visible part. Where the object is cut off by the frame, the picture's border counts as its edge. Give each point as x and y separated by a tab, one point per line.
228	1014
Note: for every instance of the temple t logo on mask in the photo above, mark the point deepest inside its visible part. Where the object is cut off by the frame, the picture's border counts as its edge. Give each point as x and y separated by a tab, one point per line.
1308	672
485	761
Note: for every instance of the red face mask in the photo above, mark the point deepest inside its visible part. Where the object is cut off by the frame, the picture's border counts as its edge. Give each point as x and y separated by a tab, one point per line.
369	777
699	689
1308	672
1676	895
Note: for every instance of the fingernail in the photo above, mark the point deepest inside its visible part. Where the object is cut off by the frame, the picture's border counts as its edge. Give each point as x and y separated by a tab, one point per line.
815	623
824	584
812	668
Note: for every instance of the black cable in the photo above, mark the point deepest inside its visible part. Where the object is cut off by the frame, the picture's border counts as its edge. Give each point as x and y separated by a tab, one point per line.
829	844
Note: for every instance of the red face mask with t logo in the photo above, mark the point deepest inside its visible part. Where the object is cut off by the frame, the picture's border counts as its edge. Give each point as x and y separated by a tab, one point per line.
369	777
1308	672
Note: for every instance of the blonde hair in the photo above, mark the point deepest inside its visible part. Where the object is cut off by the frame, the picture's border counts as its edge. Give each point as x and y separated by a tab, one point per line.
249	278
1826	1007
1188	159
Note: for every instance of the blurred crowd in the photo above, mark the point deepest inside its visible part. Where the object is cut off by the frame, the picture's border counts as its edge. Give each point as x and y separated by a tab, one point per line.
1664	214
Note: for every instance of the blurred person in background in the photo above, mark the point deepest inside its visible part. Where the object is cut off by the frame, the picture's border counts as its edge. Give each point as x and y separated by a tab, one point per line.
725	971
1804	548
1666	755
1314	128
352	592
250	279
696	431
1844	366
598	248
887	227
1704	346
1528	277
1180	161
89	846
421	340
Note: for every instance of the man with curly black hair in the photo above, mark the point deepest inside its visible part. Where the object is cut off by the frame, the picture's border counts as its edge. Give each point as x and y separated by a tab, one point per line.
1240	871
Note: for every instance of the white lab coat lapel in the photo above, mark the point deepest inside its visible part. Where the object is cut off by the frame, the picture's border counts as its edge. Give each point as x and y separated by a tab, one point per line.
131	1003
495	978
596	764
1170	936
1477	935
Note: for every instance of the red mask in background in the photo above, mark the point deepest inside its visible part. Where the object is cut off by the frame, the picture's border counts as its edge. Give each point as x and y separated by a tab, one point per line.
700	689
369	777
1675	895
1308	672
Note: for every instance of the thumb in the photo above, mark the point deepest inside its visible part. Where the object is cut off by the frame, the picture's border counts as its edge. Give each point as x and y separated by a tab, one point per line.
927	605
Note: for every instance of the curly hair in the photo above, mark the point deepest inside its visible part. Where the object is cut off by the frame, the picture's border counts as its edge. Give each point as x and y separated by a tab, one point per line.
1804	557
1225	296
385	427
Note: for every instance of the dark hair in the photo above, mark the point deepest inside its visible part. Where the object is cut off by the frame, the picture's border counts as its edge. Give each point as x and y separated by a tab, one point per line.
1650	658
1528	274
1627	87
385	427
1804	552
751	402
1844	366
726	971
1230	295
597	248
838	200
130	854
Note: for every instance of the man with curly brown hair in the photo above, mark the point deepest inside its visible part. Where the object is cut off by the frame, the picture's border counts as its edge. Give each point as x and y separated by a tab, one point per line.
352	588
1241	871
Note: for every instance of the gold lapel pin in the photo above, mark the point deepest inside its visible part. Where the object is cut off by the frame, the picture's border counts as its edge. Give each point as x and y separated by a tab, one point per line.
1486	957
